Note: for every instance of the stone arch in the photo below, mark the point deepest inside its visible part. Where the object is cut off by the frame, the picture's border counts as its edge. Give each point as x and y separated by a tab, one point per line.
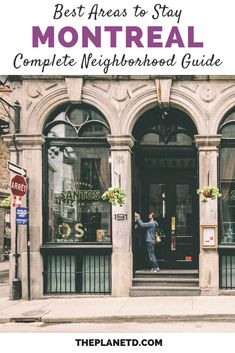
191	107
50	102
43	108
148	99
222	107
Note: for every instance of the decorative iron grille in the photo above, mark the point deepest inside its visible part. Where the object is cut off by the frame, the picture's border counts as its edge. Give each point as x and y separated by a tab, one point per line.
227	272
77	274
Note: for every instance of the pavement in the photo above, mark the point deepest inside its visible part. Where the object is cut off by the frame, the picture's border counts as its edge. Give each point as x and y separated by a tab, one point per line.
4	266
107	309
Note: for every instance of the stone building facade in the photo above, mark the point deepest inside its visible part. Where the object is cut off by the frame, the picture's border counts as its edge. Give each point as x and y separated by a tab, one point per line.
4	174
159	139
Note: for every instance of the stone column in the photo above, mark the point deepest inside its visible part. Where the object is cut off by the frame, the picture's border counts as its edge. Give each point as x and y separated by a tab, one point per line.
122	259
1	231
30	158
4	190
208	168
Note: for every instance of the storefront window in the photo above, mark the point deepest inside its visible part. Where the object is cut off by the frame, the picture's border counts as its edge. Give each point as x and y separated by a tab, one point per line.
78	174
227	180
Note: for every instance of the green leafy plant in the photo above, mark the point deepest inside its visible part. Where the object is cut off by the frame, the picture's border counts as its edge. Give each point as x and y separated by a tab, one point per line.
6	203
209	192
115	196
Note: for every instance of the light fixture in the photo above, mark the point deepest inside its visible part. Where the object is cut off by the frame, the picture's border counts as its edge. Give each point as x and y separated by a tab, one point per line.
164	114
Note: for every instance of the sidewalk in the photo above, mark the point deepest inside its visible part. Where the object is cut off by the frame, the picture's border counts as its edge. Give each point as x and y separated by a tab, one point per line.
4	266
106	309
111	310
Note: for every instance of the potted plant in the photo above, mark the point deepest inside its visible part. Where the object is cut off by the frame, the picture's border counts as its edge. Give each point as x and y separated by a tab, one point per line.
6	203
114	195
209	192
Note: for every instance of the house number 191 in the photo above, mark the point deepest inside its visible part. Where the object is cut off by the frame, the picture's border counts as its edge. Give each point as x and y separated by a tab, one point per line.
120	216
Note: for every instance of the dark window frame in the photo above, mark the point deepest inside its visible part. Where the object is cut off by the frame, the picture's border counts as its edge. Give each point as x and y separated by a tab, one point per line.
226	142
100	141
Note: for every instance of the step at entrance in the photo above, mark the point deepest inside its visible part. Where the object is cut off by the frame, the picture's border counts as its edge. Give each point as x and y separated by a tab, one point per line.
165	283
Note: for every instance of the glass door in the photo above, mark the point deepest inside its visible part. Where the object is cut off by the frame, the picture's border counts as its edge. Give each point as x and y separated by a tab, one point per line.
175	204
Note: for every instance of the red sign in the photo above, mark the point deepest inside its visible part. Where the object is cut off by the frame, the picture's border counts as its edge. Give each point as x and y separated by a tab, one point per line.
188	258
18	185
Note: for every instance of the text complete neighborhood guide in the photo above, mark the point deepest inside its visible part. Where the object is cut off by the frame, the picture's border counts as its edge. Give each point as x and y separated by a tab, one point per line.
105	47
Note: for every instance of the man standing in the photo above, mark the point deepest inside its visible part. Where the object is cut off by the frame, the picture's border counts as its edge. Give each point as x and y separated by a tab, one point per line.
150	238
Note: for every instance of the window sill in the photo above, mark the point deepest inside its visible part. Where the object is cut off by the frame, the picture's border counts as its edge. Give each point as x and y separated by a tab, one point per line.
226	245
71	248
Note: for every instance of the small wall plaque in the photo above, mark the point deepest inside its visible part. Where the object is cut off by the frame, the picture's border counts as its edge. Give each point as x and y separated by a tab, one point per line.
208	236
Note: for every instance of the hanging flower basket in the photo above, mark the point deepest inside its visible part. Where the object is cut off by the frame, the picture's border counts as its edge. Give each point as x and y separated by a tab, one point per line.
209	192
6	203
114	196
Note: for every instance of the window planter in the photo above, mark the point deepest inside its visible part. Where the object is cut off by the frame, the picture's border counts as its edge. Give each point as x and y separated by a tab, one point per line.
114	196
209	192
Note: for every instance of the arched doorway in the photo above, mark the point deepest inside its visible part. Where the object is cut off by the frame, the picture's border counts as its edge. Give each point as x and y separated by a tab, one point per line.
165	178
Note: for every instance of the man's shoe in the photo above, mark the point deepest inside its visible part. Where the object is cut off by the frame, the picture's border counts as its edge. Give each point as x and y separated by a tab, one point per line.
158	269
154	269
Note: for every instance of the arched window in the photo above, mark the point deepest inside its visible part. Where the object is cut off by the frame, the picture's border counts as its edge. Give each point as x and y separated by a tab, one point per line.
227	179
77	173
164	127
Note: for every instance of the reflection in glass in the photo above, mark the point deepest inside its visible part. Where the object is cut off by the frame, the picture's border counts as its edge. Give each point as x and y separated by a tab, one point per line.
157	204
78	116
62	130
183	210
78	176
227	201
176	139
93	130
229	130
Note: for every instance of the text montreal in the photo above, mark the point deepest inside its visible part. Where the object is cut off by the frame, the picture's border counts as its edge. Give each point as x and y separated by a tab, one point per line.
130	36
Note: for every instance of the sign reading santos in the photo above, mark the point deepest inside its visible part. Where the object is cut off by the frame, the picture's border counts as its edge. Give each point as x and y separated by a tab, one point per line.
69	197
18	185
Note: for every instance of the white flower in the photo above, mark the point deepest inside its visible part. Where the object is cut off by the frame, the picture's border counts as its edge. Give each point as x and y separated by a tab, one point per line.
115	196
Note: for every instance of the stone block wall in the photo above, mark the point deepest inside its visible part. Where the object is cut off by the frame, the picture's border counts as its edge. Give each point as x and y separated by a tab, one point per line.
4	156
